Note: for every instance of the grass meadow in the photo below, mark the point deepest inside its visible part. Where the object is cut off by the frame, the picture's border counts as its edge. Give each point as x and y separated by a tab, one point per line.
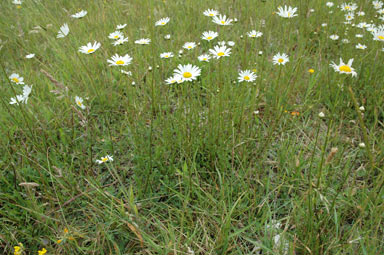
240	142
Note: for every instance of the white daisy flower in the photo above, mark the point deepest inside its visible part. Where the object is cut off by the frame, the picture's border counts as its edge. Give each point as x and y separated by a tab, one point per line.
120	41
222	20
167	37
187	72
287	12
222	43
166	55
121	26
104	159
117	60
115	35
344	68
143	41
22	98
334	37
360	13
254	34
381	11
329	4
32	55
359	35
16	78
129	73
79	102
17	2
231	43
210	35
210	13
174	79
64	31
189	45
348	7
378	34
162	22
247	76
377	4
204	58
220	51
349	16
90	48
79	15
361	46
345	40
280	59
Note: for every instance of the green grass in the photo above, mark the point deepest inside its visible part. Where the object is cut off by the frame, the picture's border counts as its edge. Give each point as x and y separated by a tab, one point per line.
195	168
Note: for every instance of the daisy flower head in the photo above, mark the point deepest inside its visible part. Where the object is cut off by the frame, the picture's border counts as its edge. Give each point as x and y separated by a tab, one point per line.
349	16
16	78
22	98
121	26
166	55
32	55
79	102
231	43
361	46
360	13
222	20
17	2
104	159
344	68
210	13
174	79
117	60
348	7
287	12
334	37
210	35
167	37
120	41
280	59
220	51
254	34
79	15
162	22
187	72
90	48
329	4
247	76
204	58
377	4
115	35
129	73
189	45
378	34
64	31
143	41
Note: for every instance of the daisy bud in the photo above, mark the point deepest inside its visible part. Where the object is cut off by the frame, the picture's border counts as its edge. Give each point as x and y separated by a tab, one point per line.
260	53
362	108
362	145
241	36
150	68
180	52
157	66
321	115
256	112
133	83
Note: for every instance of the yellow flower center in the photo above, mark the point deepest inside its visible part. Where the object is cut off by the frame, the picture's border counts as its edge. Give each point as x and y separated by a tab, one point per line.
120	62
187	75
205	59
311	70
116	36
246	78
345	68
189	47
79	103
280	60
209	37
289	14
381	37
15	80
220	54
166	56
18	7
211	14
91	50
162	23
104	159
223	22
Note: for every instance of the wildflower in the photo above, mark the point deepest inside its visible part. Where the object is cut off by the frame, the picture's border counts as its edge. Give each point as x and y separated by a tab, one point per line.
17	2
287	12
362	108
22	98
345	41
121	26
18	249
79	102
162	22
247	76
321	115
260	52
362	145
104	159
143	41
311	70
16	78
377	4
359	35
378	34
89	48
189	45
231	43
334	37
63	32
211	13
222	43
167	37
349	16
222	20
361	46
166	55
204	57
360	13
115	35
254	34
294	113
42	251
174	79
280	59
129	73
329	4
324	24
120	60
120	41
344	68
348	7
187	72
210	35
32	55
79	15
220	51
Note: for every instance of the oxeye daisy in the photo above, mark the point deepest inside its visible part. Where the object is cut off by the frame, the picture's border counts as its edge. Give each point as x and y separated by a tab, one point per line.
16	78
377	4
167	37
79	102
247	76
222	20
231	43
189	45
121	26
104	159
22	98
64	31
187	72
204	58
378	34
89	48
174	79
329	4
254	34
360	13
117	60
280	59
32	55
143	41
120	41
115	35
361	46
211	13
79	15
220	51
287	12
348	7
349	16
344	68
162	22
166	55
17	2
210	35
334	37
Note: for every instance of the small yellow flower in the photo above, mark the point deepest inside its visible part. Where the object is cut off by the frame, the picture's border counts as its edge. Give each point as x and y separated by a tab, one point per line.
42	251
18	250
66	231
59	241
295	113
311	70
